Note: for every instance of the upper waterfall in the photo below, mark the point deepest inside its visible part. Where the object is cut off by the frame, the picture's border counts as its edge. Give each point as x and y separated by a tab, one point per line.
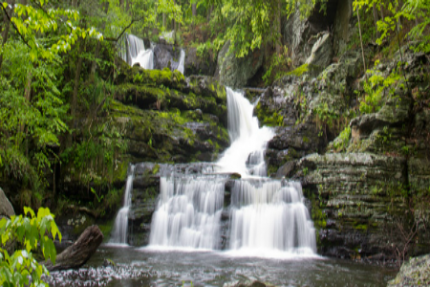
249	141
137	54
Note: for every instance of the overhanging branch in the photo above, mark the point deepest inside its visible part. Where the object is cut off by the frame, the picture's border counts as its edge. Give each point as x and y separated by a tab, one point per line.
123	31
13	24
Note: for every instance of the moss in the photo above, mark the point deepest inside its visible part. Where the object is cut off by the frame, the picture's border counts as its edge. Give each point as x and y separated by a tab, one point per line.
156	169
106	229
120	173
299	71
267	117
362	227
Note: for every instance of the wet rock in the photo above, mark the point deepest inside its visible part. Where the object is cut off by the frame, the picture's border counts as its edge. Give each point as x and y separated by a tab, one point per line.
6	211
286	170
108	262
236	72
415	272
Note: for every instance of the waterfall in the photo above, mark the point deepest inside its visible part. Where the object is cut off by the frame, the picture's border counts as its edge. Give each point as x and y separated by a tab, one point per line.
136	53
266	217
188	212
249	141
270	216
181	62
119	234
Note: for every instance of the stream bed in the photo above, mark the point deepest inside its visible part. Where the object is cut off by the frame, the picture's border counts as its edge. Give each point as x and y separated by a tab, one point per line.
144	267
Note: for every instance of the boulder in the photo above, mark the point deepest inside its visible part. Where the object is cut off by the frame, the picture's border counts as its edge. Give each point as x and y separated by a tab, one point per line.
6	211
6	208
237	72
415	272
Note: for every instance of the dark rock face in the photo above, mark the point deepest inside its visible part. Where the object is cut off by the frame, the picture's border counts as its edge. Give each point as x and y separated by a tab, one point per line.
302	35
166	56
199	65
236	72
146	187
354	209
366	185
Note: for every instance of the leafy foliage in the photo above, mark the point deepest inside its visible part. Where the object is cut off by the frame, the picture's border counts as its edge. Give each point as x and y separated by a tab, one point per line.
377	88
17	269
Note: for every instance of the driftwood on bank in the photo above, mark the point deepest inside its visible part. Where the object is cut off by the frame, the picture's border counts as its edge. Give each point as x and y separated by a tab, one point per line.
79	252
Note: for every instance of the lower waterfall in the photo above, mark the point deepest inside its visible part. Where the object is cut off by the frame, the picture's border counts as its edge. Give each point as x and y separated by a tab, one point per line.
265	216
120	228
188	212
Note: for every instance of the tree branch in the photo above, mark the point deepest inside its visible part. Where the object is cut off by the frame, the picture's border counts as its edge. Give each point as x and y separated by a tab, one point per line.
13	25
123	31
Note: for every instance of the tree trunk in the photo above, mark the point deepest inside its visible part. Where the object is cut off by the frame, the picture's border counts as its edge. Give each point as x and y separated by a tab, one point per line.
278	28
361	42
164	20
27	89
76	82
127	6
382	12
97	51
79	253
209	13
194	10
375	20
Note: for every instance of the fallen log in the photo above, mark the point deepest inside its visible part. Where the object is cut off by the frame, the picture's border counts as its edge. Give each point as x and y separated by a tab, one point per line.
79	252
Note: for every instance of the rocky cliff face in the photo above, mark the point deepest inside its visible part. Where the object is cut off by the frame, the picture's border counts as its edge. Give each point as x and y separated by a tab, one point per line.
366	173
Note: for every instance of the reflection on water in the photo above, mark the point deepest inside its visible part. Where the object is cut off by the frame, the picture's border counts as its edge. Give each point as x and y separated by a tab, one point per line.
143	267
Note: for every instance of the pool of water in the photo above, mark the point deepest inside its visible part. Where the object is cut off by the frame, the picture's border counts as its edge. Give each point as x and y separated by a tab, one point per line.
143	267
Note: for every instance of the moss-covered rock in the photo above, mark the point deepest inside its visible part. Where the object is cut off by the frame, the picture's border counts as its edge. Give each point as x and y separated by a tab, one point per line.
415	272
360	195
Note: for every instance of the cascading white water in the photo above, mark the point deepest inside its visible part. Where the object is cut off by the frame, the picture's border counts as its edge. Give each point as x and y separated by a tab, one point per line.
119	234
181	62
188	213
267	217
137	53
249	141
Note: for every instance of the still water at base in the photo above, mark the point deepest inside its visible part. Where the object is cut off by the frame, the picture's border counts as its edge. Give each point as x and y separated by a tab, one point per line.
142	267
